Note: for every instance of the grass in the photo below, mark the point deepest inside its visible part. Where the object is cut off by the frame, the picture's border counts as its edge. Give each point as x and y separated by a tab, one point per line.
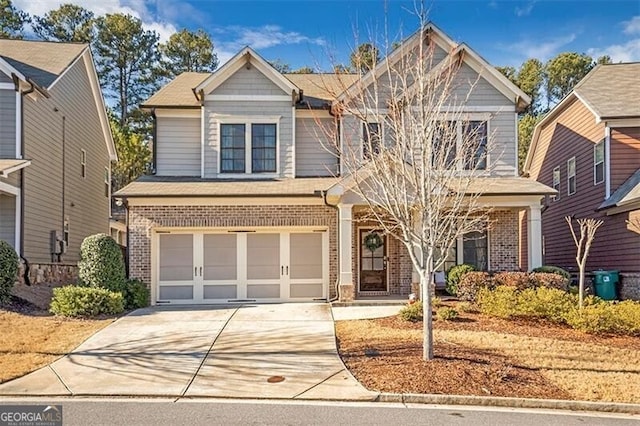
34	339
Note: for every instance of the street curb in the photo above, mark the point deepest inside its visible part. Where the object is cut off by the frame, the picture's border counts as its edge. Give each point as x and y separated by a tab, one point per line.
553	404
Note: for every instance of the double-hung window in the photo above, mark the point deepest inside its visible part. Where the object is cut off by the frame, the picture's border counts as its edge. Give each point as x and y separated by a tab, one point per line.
232	148
474	139
371	139
263	148
556	183
475	249
571	176
464	140
598	163
248	146
445	145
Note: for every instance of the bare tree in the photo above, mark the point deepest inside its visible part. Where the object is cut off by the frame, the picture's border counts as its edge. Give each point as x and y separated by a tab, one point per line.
416	163
588	228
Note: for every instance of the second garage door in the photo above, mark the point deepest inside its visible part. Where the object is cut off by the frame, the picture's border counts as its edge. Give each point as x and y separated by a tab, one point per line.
221	267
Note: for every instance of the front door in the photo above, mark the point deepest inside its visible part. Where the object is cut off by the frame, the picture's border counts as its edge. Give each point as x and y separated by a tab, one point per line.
373	260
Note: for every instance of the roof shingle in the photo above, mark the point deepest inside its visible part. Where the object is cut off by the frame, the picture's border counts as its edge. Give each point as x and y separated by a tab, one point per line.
612	90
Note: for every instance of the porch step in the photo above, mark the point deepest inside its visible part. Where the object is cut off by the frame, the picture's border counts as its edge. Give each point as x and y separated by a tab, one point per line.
371	302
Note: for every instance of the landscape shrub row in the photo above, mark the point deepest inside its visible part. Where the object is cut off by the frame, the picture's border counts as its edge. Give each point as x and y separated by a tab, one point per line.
8	270
561	307
472	282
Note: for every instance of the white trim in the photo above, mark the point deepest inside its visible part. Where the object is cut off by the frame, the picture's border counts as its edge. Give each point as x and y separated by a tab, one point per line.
7	86
575	173
257	98
517	165
623	122
359	259
203	116
83	163
183	112
607	162
8	69
604	163
225	201
293	143
100	104
18	125
9	189
534	236
468	108
18	228
553	182
6	172
586	104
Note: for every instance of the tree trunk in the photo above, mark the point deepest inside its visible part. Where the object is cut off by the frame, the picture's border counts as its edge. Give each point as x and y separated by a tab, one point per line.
581	286
427	317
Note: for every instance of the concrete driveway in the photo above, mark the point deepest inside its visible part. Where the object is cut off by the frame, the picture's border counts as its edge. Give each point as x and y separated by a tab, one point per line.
229	351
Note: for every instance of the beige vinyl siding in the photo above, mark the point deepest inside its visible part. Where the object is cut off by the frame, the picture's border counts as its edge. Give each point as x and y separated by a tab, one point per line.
178	147
315	150
7	218
86	205
502	144
280	109
7	123
248	82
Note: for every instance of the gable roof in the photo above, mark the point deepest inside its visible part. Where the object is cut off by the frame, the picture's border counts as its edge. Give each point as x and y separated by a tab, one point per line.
238	61
626	193
611	90
40	61
179	92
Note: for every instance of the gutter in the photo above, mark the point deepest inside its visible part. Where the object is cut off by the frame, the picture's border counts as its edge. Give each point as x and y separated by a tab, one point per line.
154	137
335	207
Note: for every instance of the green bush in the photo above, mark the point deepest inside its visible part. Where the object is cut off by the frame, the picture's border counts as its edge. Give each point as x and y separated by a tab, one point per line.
412	312
471	283
519	280
446	314
466	307
542	302
436	302
454	274
8	270
501	302
594	318
101	264
549	280
76	301
136	294
627	316
555	270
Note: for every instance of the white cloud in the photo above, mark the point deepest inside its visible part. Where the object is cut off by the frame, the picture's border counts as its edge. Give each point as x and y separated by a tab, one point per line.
539	49
632	26
525	9
626	52
137	8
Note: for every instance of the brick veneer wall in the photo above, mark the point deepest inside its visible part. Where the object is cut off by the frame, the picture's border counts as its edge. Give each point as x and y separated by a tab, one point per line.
142	220
503	240
630	286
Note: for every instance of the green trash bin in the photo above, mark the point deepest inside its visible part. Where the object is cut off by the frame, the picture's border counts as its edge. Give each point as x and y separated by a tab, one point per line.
605	283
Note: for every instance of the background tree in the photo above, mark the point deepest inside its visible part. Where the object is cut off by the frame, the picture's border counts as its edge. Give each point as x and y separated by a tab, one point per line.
12	20
530	79
588	228
510	72
563	72
303	70
68	23
134	155
280	66
364	57
127	59
604	59
188	51
526	124
412	182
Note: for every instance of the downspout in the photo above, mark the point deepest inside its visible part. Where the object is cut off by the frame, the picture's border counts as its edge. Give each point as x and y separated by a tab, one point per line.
607	161
335	207
30	90
154	137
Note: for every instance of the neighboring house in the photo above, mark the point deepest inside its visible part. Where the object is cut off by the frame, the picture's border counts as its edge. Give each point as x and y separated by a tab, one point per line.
588	148
247	202
55	153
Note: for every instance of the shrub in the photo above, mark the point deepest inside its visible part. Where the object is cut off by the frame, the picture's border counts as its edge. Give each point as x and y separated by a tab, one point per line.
471	283
76	301
627	317
101	263
136	294
555	270
446	314
8	270
412	312
543	302
436	302
466	307
519	280
549	280
594	318
454	274
501	302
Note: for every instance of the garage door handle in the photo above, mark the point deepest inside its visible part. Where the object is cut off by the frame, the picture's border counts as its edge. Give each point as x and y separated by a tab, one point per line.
201	271
195	271
282	270
287	270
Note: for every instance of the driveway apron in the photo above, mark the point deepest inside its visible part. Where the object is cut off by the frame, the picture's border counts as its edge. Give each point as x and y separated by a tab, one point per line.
249	351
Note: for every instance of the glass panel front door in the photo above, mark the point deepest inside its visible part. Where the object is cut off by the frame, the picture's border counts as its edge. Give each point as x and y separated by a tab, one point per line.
373	260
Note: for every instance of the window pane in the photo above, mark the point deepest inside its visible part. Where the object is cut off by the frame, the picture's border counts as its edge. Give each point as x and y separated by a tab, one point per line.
371	139
599	173
599	153
444	144
232	148
475	136
571	167
475	250
263	148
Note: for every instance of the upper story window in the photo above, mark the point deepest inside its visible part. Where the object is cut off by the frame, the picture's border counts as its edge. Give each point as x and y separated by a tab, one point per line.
598	163
371	139
475	137
107	182
556	183
451	137
571	176
445	142
83	163
249	146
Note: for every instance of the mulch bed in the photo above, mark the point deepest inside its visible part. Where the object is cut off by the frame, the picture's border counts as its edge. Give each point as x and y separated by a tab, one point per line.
21	306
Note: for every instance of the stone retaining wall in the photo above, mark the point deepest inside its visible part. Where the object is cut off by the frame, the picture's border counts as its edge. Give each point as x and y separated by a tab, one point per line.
44	277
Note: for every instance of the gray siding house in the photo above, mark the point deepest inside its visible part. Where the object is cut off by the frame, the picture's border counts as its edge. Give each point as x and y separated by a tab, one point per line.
55	152
249	200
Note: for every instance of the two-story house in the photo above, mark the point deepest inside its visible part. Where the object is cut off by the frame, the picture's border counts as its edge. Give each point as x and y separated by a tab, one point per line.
249	202
588	148
55	154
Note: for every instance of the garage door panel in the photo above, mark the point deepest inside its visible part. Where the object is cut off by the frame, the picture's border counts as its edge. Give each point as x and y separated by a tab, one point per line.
306	255
176	292
221	291
263	256
176	257
263	291
220	257
312	290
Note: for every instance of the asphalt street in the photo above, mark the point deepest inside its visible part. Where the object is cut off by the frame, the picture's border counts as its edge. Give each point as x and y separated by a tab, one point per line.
156	412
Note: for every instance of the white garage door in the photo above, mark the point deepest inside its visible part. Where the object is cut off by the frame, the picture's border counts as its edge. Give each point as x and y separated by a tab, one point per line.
222	267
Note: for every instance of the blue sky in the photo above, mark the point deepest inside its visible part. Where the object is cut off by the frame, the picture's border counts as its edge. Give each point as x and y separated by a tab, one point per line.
310	32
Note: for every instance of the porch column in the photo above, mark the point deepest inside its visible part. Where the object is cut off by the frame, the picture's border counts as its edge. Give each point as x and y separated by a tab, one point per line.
534	236
347	288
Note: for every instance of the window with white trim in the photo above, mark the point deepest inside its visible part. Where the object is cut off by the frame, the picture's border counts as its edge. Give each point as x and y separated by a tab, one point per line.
263	148
475	250
371	139
83	163
232	148
556	183
248	146
451	137
107	182
598	163
475	133
571	176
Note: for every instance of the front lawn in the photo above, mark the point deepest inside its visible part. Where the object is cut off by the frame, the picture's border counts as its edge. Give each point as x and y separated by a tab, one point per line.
32	338
481	355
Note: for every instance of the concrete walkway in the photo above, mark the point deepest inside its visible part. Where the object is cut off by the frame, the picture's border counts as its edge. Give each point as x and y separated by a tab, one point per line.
205	351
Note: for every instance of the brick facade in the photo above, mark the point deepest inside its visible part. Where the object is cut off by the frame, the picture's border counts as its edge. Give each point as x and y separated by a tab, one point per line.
143	219
503	240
